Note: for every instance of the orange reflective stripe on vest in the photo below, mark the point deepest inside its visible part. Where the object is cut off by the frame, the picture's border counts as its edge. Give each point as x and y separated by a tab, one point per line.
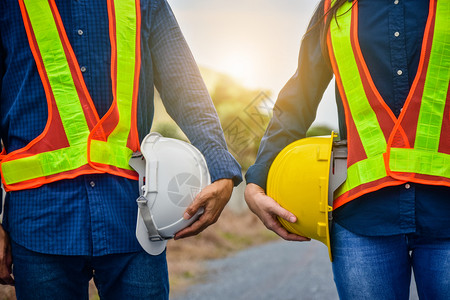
381	149
75	141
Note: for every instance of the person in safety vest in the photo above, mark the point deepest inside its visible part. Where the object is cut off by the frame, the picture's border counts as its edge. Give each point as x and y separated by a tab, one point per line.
77	88
391	63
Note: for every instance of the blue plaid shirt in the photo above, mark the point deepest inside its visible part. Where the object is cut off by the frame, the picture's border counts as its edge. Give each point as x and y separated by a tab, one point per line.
96	214
422	209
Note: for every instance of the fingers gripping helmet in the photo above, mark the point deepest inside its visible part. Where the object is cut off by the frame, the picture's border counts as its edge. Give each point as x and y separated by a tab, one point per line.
171	174
302	179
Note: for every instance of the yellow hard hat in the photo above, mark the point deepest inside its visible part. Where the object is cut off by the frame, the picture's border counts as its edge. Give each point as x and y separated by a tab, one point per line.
299	180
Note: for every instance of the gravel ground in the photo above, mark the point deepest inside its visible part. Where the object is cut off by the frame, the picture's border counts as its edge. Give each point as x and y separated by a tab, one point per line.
302	271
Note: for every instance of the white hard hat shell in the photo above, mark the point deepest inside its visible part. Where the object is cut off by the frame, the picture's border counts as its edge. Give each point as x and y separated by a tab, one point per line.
174	172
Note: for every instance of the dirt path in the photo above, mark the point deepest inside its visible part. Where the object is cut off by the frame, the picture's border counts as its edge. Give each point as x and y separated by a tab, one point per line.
278	270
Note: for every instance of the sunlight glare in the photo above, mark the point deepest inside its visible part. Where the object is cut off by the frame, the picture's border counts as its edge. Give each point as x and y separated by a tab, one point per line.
241	67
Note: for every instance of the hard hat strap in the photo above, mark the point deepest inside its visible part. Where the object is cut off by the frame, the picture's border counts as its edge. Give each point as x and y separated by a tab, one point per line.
147	168
144	211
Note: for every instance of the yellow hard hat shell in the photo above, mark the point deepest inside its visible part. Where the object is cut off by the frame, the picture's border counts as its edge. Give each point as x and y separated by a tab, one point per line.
299	180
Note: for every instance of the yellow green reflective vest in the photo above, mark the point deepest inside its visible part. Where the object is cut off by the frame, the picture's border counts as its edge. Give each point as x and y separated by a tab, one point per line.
384	150
75	140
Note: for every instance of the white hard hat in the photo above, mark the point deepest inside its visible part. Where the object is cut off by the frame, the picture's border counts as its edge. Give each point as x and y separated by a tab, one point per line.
171	174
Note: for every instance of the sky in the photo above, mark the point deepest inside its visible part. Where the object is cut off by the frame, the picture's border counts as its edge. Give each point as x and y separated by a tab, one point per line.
255	41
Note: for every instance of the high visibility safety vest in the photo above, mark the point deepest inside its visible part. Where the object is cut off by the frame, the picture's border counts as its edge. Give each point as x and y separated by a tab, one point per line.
75	140
384	150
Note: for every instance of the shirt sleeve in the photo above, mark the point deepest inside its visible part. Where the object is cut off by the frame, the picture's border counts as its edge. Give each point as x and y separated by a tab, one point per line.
296	105
184	94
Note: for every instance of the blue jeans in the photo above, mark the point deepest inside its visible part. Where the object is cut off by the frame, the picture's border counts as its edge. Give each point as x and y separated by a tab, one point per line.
117	276
380	267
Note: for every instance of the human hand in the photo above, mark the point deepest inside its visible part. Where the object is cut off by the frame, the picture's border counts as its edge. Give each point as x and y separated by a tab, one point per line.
213	199
5	259
268	209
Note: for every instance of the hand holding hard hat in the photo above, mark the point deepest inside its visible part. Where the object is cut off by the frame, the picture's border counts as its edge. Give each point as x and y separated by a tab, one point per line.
303	178
212	199
270	212
171	175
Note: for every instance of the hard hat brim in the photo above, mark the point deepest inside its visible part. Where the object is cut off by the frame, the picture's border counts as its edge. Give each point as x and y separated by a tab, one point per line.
152	248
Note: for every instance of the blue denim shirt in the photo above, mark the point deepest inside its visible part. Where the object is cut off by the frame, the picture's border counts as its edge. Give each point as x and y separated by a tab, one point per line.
96	214
393	210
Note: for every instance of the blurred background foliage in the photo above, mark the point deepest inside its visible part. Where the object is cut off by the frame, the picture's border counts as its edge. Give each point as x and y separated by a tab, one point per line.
318	130
244	114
